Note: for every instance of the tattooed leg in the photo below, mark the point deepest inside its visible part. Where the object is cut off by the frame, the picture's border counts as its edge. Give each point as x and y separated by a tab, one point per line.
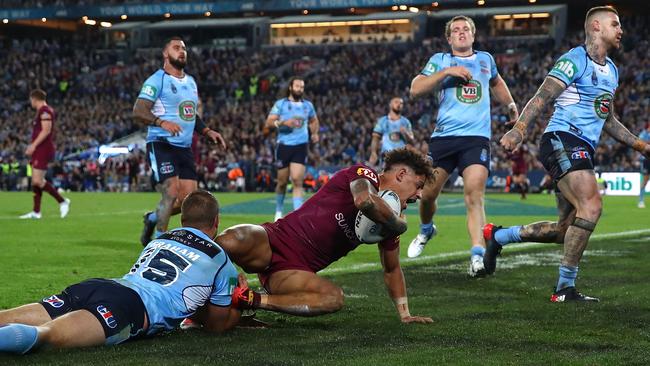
550	231
169	192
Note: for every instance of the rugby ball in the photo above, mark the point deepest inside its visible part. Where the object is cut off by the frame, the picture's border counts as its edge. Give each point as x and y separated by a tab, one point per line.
367	230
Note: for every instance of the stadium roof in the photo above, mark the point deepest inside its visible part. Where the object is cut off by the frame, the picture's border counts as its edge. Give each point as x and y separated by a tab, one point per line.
473	12
332	18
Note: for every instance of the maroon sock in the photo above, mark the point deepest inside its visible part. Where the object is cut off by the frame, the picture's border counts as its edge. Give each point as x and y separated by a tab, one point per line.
49	188
38	193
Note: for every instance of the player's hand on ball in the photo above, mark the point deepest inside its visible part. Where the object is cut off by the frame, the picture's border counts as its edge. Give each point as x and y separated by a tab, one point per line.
417	319
216	138
459	72
171	127
512	140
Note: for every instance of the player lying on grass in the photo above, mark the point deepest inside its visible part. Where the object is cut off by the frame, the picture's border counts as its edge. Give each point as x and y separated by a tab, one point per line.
288	253
182	273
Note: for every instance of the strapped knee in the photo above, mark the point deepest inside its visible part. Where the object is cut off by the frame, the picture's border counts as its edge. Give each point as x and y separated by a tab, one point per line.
584	224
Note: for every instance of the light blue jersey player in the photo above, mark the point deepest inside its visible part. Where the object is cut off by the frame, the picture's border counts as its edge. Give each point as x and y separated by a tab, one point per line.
585	104
295	120
167	104
462	81
177	273
644	164
174	99
391	131
181	274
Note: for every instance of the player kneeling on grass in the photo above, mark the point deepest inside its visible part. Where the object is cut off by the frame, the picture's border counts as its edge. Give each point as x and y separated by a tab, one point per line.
288	253
180	274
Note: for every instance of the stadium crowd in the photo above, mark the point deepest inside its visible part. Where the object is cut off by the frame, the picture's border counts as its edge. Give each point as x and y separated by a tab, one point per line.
93	92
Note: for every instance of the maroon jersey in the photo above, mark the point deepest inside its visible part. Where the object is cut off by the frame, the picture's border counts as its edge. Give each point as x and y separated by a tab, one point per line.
322	230
45	112
519	165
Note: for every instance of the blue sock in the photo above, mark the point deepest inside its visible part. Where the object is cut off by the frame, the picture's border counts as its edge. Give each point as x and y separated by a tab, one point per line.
426	229
297	202
279	202
508	235
17	338
153	217
477	250
568	276
642	193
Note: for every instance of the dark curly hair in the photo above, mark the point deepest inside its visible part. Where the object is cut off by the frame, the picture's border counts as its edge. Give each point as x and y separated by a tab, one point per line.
421	164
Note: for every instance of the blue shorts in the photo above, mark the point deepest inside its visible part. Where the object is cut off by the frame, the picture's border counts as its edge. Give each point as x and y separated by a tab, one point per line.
561	152
119	309
168	161
459	152
287	154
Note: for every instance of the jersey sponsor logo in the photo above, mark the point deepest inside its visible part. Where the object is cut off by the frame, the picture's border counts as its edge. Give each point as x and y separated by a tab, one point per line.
347	230
395	136
566	67
45	116
365	172
469	92
484	155
187	110
232	283
149	90
602	105
193	241
107	315
430	68
166	168
54	301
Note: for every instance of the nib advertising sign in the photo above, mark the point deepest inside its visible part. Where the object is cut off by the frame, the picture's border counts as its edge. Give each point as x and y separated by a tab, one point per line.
624	184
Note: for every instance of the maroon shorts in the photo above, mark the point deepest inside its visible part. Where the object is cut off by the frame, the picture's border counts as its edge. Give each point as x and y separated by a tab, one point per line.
285	254
41	157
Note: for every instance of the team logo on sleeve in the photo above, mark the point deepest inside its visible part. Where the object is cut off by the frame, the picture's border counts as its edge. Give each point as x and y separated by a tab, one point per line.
602	105
54	301
469	92
149	90
430	68
187	110
566	67
365	172
107	315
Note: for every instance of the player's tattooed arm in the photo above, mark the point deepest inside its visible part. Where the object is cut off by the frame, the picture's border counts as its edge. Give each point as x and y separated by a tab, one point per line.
367	201
550	89
142	112
620	133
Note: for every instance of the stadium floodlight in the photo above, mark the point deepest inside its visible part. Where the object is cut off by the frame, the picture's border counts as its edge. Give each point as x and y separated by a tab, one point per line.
207	13
413	9
84	18
541	15
124	16
403	7
435	4
90	22
106	24
305	12
394	8
43	20
167	15
481	2
521	16
5	21
532	1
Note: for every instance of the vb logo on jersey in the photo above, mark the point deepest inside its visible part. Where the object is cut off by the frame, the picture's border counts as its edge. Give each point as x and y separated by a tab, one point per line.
187	110
602	105
469	92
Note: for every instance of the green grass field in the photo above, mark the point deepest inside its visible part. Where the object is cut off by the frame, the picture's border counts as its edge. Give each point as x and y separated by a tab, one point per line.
504	319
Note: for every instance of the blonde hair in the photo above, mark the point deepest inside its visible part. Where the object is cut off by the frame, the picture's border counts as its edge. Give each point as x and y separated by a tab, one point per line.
469	20
596	10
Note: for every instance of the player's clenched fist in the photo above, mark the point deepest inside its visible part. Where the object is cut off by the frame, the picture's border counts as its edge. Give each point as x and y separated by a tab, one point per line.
512	140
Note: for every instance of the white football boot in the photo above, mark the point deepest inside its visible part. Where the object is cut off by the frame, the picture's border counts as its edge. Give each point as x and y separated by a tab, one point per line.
417	244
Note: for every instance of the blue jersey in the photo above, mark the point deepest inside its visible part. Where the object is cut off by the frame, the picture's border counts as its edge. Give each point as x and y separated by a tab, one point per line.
175	100
302	111
586	103
644	136
391	137
464	107
177	273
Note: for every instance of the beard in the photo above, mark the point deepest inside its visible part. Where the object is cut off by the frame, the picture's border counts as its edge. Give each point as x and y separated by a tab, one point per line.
295	94
396	110
177	63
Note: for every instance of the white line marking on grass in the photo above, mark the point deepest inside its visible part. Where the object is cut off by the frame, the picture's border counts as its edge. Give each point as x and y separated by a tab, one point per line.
53	215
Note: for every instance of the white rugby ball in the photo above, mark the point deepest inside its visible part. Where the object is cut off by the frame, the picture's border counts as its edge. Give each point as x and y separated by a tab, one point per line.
367	230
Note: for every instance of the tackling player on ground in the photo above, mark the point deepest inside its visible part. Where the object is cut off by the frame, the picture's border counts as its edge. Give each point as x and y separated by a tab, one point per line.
182	273
167	103
462	80
288	253
391	131
42	150
295	120
582	83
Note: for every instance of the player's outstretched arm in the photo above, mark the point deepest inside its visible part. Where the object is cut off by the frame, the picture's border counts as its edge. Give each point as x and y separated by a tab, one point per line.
502	94
396	285
375	208
217	319
620	133
550	89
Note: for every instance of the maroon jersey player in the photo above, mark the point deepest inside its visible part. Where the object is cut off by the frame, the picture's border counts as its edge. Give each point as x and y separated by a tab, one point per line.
287	254
41	150
520	169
